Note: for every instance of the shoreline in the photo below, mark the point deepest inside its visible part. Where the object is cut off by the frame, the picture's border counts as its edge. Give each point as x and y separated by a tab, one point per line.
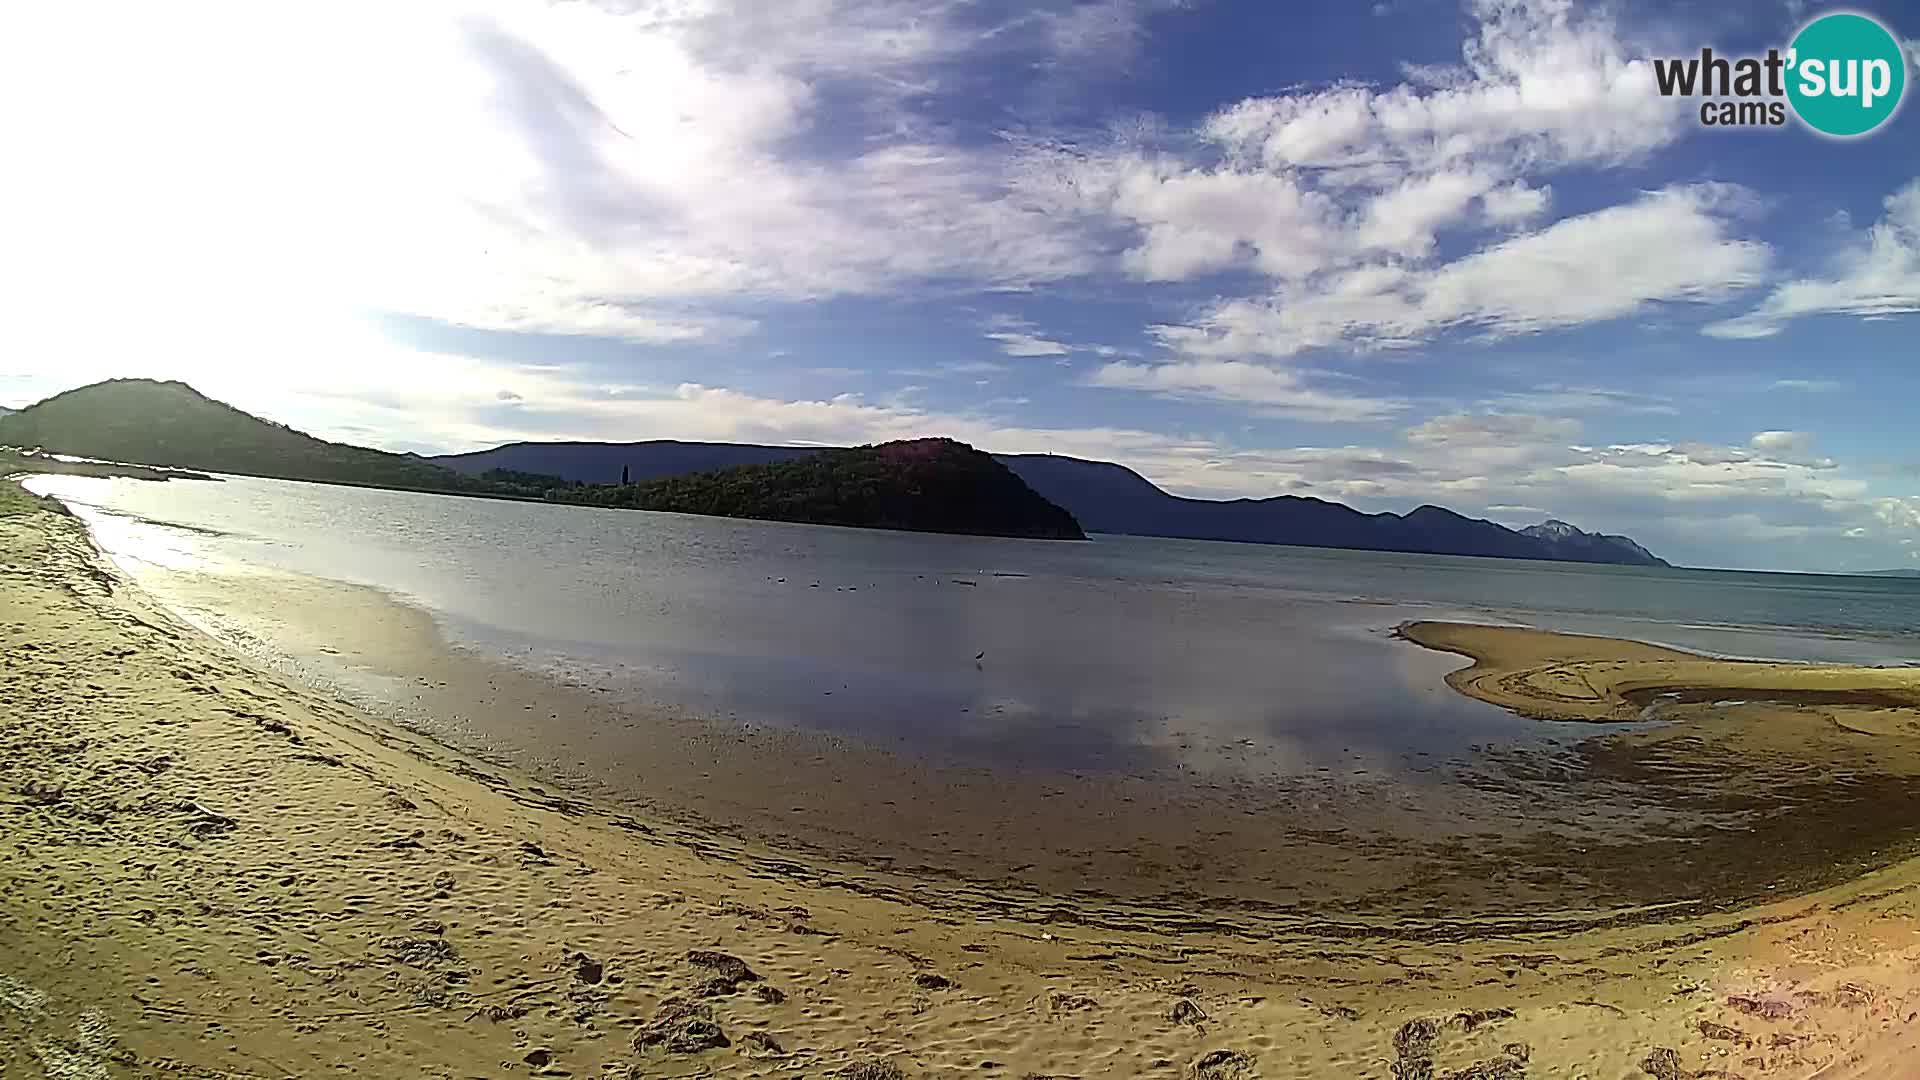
1555	676
262	903
1811	770
1593	832
1241	853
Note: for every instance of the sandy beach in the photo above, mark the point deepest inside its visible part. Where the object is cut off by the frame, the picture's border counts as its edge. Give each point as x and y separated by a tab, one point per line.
212	869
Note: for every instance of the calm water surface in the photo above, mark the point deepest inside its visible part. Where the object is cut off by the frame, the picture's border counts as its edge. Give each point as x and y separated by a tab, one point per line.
1089	648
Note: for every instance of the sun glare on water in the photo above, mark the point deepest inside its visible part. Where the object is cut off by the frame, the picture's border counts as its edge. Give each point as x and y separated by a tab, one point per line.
133	543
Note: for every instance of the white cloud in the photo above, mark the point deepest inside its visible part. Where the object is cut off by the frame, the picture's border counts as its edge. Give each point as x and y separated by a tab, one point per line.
1196	221
1343	196
974	367
1405	220
1556	398
1580	269
653	170
1875	276
510	164
1781	441
1312	180
1016	343
1586	268
1492	429
1111	30
628	321
1318	182
1899	514
1268	390
1542	81
1515	203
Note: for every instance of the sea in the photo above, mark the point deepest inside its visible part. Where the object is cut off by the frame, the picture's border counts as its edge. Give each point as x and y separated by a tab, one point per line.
966	648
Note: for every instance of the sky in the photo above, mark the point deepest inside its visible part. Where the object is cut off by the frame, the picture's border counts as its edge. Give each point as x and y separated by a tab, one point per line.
1413	251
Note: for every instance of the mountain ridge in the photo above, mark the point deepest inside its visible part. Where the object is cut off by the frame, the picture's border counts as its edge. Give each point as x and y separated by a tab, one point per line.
1555	531
1108	497
929	485
172	424
934	485
151	422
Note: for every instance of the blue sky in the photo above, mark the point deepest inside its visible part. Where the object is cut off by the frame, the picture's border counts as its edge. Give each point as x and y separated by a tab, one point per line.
1414	251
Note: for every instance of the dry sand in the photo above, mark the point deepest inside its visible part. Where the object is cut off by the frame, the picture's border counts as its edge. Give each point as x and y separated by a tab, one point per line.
206	870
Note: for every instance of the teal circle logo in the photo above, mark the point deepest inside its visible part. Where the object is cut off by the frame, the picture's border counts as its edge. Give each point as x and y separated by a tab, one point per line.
1846	73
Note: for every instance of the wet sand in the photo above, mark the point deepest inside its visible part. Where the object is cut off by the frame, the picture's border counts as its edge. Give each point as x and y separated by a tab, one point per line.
1572	677
1778	777
1233	842
1533	834
211	869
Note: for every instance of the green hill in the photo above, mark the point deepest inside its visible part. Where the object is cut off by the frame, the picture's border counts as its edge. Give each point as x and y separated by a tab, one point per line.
171	423
921	485
927	485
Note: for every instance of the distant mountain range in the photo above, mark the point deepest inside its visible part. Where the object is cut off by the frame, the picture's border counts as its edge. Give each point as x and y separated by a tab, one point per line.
171	424
609	463
928	485
1110	498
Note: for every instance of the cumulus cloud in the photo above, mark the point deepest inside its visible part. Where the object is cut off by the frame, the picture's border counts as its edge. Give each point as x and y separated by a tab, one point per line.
1899	514
1515	203
650	170
1268	390
1875	276
1340	198
1311	181
1542	81
1196	221
617	170
1343	199
1580	269
1781	441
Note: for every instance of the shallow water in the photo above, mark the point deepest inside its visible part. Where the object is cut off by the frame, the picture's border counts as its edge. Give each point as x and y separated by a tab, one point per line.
1091	651
1150	718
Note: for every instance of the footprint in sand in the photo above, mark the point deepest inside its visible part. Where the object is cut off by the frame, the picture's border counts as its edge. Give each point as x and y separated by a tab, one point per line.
85	1054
